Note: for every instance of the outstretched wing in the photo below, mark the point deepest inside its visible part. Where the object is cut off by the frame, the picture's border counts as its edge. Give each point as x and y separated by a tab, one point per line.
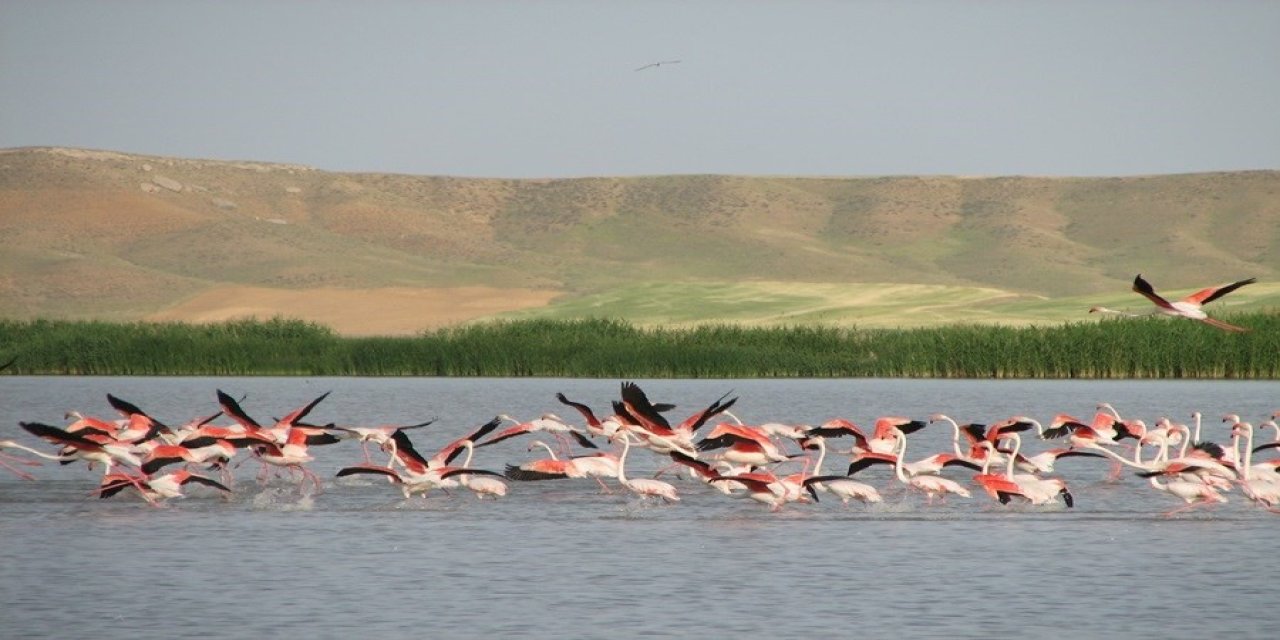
1143	287
1205	296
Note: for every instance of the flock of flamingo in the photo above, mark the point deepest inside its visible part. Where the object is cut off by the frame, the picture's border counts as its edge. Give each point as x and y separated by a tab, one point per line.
138	454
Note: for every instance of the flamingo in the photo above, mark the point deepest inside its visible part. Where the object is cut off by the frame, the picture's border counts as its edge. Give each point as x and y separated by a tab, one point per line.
410	482
931	485
595	426
1193	493
109	454
549	422
843	487
596	466
644	487
1188	307
656	431
380	435
1036	489
156	488
1262	489
746	445
481	484
10	444
292	455
764	488
974	432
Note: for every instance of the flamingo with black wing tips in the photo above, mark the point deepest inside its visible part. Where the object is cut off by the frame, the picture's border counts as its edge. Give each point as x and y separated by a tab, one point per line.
1036	489
843	487
996	485
380	435
764	488
549	422
411	483
1188	307
10	444
156	488
746	445
655	431
292	455
552	468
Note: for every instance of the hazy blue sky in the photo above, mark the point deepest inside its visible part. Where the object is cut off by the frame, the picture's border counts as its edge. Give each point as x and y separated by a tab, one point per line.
526	89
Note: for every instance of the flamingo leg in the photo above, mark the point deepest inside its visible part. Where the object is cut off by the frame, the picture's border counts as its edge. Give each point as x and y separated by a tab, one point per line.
16	471
564	444
604	487
19	460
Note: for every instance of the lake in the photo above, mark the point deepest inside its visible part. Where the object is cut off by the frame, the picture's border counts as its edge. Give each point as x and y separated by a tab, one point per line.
564	558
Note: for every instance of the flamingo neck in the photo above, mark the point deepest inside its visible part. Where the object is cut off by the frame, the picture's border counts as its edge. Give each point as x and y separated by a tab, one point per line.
1013	457
550	451
1247	458
902	453
622	459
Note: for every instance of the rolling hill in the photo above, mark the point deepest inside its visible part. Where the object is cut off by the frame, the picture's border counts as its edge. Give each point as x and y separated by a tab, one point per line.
100	234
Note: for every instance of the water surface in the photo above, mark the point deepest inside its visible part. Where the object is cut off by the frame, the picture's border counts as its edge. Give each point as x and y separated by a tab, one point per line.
564	558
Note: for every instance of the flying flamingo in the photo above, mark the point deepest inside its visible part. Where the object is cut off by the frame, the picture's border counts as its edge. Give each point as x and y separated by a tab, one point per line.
110	455
10	444
292	455
655	431
594	466
764	488
1188	307
156	488
411	483
552	468
549	422
380	435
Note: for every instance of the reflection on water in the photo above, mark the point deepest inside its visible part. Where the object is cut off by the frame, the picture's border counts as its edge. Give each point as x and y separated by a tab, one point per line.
566	558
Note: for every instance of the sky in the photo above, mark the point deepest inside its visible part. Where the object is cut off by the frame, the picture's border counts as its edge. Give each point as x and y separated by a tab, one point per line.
527	89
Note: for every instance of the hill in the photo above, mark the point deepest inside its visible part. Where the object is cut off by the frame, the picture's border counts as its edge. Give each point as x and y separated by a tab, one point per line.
99	234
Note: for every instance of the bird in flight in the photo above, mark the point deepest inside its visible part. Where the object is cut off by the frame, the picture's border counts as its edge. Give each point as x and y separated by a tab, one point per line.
1188	307
657	64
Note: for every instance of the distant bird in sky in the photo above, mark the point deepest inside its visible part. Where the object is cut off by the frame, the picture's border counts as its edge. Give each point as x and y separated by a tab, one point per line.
1188	307
657	64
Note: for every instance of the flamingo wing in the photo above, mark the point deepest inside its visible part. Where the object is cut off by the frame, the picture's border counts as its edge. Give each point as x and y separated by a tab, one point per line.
208	482
586	411
638	404
869	459
583	441
533	472
58	436
300	413
1205	296
1143	287
233	410
368	468
1225	326
696	420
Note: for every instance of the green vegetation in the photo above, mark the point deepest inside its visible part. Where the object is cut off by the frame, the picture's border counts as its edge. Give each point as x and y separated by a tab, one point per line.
1146	348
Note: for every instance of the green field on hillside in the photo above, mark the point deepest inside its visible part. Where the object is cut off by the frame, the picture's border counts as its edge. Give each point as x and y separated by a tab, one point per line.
876	305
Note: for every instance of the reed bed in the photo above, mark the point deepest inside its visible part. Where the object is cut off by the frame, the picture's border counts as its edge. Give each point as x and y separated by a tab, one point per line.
1144	348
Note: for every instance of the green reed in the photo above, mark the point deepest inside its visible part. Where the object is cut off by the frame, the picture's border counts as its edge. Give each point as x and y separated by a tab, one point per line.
1148	348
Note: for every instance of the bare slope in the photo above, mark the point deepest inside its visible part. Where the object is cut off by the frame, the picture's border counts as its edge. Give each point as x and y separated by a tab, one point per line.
103	234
